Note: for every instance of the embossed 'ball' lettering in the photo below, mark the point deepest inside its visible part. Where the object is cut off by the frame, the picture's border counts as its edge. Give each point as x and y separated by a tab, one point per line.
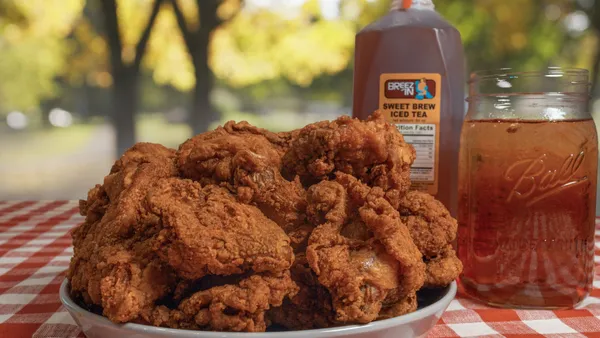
537	182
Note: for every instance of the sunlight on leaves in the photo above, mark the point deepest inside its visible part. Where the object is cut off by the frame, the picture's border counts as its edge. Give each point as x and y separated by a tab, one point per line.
33	54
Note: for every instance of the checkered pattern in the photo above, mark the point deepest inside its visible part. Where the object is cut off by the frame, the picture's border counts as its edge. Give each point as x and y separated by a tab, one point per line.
35	249
467	318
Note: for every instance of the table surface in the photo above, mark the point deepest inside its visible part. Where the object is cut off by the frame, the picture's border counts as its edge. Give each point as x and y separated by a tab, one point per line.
35	249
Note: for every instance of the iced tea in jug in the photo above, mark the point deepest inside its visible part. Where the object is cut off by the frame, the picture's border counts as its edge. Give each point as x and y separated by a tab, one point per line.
410	65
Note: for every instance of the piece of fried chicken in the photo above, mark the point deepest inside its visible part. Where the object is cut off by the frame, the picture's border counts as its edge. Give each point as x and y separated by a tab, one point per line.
207	157
147	232
372	151
247	160
206	231
361	251
113	265
196	239
433	230
240	306
311	307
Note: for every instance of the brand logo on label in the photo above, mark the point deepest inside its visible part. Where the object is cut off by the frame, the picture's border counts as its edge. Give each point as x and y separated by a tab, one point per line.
537	182
420	89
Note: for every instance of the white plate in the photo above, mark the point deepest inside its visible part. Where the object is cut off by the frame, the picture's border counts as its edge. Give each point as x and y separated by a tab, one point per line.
415	324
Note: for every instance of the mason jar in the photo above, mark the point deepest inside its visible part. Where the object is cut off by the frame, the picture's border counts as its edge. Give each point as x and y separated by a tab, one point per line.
527	188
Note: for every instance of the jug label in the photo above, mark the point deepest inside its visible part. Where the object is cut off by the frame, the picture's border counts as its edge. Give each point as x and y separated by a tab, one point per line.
412	103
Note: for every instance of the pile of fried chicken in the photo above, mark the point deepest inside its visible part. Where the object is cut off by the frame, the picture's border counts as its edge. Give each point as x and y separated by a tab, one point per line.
241	228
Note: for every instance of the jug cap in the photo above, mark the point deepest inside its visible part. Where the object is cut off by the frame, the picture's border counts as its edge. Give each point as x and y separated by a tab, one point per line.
413	4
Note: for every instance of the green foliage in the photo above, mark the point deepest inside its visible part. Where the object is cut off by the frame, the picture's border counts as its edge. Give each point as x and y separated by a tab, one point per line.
27	147
516	34
261	52
154	128
32	49
10	13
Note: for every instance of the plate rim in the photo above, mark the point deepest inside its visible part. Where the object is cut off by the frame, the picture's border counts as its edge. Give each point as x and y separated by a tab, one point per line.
440	305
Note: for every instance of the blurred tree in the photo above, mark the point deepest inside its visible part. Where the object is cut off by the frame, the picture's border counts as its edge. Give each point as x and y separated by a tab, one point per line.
32	49
89	59
594	14
10	12
528	34
243	45
260	50
89	73
499	34
197	33
521	34
87	79
125	61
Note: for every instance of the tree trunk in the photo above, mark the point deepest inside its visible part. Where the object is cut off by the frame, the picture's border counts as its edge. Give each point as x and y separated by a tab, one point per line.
202	114
82	102
595	76
125	105
46	106
125	76
594	15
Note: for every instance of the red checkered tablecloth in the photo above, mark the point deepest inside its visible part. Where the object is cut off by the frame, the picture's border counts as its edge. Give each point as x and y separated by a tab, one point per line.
35	249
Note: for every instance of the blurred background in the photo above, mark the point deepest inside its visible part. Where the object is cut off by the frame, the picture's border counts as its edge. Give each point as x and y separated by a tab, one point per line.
82	80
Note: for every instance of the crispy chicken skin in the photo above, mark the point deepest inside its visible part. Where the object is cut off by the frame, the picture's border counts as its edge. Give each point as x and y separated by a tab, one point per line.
443	268
372	151
159	230
113	264
231	307
394	307
311	307
361	251
242	228
433	230
246	160
207	158
206	231
282	201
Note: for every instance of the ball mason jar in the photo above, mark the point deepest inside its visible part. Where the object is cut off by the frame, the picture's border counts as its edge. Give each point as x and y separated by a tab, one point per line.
527	189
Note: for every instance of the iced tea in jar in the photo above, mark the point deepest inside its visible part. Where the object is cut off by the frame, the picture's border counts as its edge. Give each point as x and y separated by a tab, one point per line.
527	189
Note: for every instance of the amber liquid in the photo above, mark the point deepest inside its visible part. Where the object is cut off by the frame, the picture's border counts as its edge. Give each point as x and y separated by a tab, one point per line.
416	41
527	194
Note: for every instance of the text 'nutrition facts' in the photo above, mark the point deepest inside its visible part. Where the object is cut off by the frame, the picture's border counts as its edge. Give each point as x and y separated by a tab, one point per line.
422	138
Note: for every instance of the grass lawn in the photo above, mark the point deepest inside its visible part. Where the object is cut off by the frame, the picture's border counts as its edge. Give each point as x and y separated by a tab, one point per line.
65	162
282	121
39	144
36	145
155	128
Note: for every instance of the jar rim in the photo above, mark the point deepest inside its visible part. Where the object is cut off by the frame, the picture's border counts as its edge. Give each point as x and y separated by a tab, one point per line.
512	72
564	96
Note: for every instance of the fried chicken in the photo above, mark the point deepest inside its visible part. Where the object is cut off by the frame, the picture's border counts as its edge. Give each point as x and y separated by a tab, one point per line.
113	265
160	231
373	151
237	307
280	200
443	268
433	229
360	251
241	228
311	307
246	160
207	158
206	231
394	307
